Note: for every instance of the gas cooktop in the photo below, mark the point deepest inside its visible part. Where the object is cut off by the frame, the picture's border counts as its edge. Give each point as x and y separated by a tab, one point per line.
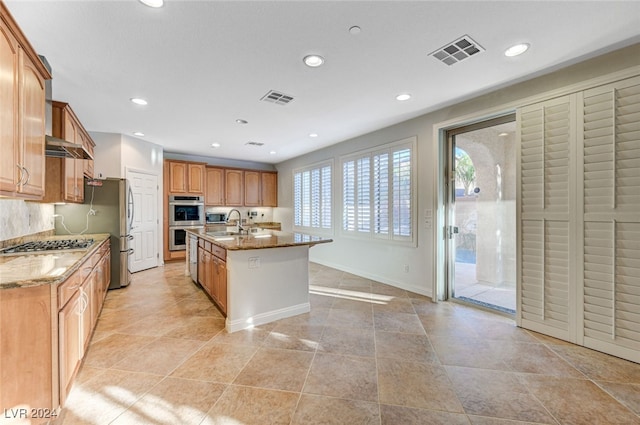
52	245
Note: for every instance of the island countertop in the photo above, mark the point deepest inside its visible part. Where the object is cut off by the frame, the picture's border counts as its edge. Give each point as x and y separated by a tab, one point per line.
265	238
45	267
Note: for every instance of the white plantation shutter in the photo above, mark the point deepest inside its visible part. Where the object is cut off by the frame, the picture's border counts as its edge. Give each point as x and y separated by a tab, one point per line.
312	196
610	264
547	217
377	192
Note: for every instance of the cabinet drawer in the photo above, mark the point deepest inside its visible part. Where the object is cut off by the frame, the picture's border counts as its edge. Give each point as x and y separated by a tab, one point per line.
201	243
68	288
207	246
221	253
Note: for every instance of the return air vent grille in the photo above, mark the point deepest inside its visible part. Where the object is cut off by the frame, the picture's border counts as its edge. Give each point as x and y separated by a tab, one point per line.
457	51
254	143
277	97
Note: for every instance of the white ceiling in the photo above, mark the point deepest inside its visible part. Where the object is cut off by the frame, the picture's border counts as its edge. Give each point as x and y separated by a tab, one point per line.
203	64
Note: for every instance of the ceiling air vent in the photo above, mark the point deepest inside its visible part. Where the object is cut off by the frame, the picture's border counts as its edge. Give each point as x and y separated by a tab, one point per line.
277	98
457	51
254	143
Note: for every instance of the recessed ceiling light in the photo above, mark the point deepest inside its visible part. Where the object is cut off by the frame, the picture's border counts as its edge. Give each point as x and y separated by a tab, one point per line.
516	50
152	3
355	30
313	60
138	133
313	135
403	96
241	121
272	152
215	145
138	101
503	134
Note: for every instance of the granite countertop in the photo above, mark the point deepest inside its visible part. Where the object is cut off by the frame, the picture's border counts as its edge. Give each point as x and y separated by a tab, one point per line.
259	240
45	267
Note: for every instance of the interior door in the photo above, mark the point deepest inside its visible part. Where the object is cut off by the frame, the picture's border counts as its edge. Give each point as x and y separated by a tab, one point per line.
481	214
145	221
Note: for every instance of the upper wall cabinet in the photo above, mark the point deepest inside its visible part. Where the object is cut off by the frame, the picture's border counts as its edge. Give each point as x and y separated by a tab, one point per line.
186	177
214	194
260	189
234	187
65	176
22	115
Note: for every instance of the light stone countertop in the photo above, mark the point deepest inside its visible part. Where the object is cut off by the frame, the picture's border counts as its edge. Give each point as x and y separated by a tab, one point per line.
45	267
263	239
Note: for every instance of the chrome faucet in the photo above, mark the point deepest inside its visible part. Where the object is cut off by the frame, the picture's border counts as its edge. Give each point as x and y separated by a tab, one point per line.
239	223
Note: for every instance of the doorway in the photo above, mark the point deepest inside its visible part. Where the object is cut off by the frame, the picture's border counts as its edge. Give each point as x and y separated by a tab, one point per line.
481	214
144	227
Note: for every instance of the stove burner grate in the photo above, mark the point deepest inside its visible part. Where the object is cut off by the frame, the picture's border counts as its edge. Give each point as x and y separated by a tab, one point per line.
52	245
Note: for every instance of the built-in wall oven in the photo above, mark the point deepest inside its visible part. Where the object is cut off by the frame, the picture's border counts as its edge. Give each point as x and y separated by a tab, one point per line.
185	212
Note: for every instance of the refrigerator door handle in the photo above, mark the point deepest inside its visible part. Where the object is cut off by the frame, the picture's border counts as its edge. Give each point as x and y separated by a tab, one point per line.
131	251
130	208
130	237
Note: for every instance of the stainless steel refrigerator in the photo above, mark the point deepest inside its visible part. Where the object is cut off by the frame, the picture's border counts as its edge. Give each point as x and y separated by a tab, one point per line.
108	208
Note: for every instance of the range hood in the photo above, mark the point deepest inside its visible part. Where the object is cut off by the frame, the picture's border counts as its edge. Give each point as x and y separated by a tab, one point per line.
55	146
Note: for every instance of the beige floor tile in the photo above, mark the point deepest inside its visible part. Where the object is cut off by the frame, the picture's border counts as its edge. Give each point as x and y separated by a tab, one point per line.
496	394
353	301
397	322
252	336
499	328
316	317
319	300
151	326
346	377
396	415
112	349
103	398
361	319
173	401
413	384
535	358
319	410
402	346
627	394
348	341
483	420
252	406
387	290
468	352
564	398
161	356
216	362
293	337
599	366
276	369
196	328
395	304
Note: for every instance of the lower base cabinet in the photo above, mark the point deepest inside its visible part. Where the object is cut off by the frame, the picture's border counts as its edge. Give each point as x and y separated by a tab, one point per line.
212	272
44	332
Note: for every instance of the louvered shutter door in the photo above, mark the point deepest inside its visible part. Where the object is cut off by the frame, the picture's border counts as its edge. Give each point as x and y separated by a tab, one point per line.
547	218
610	166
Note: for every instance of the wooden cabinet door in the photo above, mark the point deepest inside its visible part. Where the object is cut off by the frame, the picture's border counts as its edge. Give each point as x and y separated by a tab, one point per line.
195	178
9	144
201	267
252	188
86	292
214	187
222	284
177	177
269	189
33	100
70	346
79	166
234	187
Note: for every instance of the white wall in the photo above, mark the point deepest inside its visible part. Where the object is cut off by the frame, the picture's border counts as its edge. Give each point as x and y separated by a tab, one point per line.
383	261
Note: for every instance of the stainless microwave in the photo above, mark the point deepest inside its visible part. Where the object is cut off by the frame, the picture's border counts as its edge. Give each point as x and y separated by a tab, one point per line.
216	217
186	211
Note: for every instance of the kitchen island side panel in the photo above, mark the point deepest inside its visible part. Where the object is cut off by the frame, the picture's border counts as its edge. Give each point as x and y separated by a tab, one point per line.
266	285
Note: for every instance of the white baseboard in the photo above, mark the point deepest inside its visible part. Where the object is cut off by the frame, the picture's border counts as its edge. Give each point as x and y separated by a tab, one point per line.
375	277
267	317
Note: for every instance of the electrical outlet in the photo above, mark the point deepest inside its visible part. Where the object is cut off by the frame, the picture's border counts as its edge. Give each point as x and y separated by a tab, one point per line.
254	262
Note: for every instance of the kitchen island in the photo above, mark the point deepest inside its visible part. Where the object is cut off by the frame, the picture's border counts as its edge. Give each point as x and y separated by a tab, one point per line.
254	278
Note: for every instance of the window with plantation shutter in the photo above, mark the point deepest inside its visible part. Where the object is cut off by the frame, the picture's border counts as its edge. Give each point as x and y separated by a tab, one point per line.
547	217
312	198
378	191
610	128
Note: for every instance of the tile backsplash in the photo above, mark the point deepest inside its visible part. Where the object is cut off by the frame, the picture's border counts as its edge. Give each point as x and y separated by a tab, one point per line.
20	218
